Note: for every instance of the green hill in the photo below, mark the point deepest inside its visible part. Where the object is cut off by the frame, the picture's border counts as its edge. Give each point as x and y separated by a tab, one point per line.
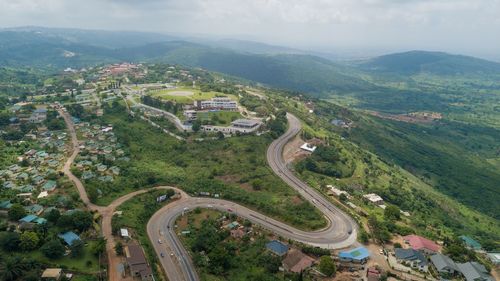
437	63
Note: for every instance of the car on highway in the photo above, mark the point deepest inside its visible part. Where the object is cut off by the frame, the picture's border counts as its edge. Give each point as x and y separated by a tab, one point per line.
210	206
162	254
171	254
159	241
229	209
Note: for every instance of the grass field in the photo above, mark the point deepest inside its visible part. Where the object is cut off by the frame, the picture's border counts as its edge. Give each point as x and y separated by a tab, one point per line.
186	95
86	263
219	118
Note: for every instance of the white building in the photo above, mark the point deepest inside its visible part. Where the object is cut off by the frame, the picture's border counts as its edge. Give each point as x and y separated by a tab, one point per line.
337	192
240	125
374	198
221	103
308	147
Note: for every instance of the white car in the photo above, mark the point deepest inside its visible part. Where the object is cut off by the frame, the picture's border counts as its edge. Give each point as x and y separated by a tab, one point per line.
159	241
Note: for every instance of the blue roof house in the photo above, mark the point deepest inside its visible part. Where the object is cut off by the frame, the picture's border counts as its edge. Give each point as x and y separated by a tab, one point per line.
69	237
276	247
28	218
360	255
471	243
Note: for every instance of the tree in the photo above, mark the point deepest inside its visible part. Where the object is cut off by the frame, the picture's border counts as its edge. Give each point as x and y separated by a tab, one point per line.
29	241
99	247
196	126
9	241
119	248
327	266
392	212
76	248
53	216
12	268
16	212
53	249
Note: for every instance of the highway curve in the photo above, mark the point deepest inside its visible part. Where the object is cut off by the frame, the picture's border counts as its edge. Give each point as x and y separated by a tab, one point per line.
340	233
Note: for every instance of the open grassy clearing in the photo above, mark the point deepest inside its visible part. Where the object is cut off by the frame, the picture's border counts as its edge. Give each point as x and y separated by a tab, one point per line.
186	95
219	118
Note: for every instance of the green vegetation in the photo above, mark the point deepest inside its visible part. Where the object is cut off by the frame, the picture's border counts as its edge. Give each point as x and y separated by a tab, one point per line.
218	118
217	256
186	95
226	167
136	212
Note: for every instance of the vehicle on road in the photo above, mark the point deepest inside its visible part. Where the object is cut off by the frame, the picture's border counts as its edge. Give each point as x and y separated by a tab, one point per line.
229	210
162	254
159	241
171	254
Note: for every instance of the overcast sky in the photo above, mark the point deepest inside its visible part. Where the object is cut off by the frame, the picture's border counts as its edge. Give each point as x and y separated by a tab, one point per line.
459	26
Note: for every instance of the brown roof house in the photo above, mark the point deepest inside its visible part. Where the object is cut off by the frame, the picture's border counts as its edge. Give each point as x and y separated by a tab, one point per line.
137	263
52	274
296	261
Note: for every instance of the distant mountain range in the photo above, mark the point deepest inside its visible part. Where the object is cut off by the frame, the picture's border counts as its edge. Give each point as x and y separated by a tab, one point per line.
272	65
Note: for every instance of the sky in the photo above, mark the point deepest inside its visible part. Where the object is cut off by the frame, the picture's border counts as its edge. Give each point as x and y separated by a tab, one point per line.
456	26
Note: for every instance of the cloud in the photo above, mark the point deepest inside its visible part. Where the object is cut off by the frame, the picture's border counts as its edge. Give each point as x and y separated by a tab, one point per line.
439	24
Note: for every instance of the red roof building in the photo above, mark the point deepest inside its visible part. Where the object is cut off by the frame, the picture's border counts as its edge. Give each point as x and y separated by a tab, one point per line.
420	243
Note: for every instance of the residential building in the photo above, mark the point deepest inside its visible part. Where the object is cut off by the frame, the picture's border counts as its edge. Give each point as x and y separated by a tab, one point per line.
474	271
49	186
421	244
69	237
357	255
308	147
277	248
413	258
471	243
296	261
137	263
444	265
220	103
374	198
494	257
52	274
373	274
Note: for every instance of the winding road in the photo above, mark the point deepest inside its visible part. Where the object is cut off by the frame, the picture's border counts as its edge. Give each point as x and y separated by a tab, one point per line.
340	233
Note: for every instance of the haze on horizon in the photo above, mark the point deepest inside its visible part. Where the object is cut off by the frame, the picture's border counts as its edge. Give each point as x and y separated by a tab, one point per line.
457	26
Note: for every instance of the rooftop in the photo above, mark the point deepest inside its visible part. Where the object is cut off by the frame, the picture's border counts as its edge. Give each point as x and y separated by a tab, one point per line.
359	253
69	237
277	247
418	243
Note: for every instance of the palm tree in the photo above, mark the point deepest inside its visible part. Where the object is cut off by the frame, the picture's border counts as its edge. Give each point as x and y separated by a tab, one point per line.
11	268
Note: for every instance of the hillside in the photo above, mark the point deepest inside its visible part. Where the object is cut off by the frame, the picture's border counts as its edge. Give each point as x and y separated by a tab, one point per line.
438	63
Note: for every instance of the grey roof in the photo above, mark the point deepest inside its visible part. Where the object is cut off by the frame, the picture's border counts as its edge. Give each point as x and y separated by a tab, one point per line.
474	271
410	255
441	262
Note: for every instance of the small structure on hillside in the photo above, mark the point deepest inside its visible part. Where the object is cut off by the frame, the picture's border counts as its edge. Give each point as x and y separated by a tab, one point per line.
308	147
296	261
276	247
137	262
420	243
357	255
52	274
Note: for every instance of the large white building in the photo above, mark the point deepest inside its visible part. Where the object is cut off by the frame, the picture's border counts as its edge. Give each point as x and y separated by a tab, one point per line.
239	125
222	103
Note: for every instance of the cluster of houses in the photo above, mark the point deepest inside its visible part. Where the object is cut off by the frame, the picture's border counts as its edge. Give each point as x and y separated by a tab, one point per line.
36	116
420	253
34	174
99	152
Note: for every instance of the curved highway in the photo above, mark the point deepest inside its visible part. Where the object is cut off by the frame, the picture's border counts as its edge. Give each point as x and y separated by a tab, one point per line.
340	233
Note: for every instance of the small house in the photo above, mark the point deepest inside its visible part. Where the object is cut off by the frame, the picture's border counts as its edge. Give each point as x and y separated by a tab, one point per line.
420	243
357	255
296	261
49	186
474	271
52	274
413	258
69	237
471	243
276	247
444	265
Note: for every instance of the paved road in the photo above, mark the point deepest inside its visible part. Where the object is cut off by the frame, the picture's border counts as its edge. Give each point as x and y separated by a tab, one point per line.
340	232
